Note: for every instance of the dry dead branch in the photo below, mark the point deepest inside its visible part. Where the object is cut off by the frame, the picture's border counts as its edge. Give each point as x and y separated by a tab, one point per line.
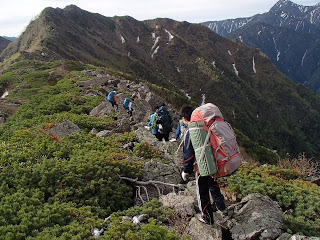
142	185
306	166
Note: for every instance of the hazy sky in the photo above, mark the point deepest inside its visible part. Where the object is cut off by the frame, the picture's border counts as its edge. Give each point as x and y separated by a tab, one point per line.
15	15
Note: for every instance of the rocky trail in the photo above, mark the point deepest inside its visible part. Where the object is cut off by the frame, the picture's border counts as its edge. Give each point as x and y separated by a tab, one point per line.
255	217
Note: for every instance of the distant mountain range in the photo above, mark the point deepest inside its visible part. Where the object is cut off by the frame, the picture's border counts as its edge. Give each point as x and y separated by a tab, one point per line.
289	34
3	43
254	96
11	39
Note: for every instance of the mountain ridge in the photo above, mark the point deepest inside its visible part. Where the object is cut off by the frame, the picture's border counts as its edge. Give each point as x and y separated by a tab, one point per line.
3	43
189	59
299	27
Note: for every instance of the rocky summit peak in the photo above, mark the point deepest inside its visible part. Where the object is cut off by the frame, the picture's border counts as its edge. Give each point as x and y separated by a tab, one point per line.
280	4
72	7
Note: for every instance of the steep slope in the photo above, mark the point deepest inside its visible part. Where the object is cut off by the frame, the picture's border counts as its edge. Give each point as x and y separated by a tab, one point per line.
283	14
3	43
11	39
289	34
296	54
187	58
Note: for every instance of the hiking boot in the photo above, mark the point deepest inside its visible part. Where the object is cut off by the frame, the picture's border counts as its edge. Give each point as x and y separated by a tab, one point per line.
201	219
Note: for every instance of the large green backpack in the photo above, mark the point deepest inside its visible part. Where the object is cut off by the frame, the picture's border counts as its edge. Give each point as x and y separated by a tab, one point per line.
214	141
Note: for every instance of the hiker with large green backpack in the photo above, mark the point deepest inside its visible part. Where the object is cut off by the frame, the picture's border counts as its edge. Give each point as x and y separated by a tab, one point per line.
197	147
214	141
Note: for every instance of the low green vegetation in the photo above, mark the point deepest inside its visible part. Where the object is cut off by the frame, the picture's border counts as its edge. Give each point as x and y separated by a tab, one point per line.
171	97
157	214
60	188
146	151
288	188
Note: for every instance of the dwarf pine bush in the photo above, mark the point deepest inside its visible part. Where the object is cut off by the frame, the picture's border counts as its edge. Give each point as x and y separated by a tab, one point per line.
289	188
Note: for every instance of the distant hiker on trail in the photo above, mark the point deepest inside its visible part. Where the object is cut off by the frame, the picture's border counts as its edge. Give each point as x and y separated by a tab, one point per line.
127	104
161	123
113	99
179	131
204	184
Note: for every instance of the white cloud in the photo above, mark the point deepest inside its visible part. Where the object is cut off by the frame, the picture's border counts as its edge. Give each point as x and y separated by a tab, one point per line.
15	15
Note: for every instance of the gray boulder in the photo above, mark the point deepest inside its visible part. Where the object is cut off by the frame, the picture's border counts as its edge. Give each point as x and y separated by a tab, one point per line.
255	217
200	231
153	99
94	82
104	133
64	128
160	171
299	237
287	236
103	109
182	204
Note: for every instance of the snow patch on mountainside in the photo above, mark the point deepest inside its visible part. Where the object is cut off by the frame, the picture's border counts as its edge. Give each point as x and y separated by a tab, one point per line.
155	51
203	99
278	55
6	93
122	40
155	43
235	69
170	35
304	55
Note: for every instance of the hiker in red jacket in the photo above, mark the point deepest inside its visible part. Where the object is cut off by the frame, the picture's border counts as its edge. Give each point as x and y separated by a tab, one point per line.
204	184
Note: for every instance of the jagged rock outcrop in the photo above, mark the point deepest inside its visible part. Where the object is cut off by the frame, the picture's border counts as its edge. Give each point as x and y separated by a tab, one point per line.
8	107
287	236
143	100
3	43
166	170
184	205
255	217
200	231
63	129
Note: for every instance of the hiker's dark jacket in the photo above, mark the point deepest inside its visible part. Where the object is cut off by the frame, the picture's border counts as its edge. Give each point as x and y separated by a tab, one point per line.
188	154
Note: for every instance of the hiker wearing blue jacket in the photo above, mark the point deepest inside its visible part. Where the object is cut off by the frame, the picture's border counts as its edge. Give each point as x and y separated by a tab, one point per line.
113	99
205	185
127	104
181	128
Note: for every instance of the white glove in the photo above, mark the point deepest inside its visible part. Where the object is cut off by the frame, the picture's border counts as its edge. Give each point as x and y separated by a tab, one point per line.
147	127
173	140
184	176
